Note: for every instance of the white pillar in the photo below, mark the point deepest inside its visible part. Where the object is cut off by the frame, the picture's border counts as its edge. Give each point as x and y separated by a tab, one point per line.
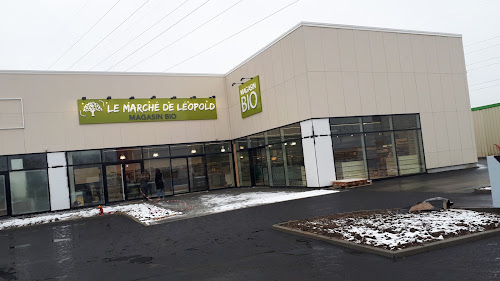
58	181
494	171
318	152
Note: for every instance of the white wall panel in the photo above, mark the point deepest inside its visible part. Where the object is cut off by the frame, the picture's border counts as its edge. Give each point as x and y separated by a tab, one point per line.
59	190
331	52
335	92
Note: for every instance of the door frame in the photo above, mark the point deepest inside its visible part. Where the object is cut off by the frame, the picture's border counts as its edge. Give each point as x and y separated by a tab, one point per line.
124	182
8	198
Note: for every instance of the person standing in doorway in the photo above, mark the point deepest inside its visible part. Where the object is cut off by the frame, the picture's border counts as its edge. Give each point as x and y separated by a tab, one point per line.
160	187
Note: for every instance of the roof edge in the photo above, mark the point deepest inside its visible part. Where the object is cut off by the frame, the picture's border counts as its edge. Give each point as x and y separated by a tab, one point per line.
51	72
485	106
340	26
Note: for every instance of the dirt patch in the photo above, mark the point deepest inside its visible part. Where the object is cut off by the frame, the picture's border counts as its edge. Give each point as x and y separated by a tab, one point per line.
393	229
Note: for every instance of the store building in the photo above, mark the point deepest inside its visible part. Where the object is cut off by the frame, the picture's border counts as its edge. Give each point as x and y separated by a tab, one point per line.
320	103
487	129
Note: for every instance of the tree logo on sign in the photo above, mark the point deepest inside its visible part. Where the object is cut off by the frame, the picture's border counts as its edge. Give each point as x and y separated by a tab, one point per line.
91	107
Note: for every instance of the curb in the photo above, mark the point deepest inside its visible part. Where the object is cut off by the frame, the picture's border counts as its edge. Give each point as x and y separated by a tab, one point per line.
448	242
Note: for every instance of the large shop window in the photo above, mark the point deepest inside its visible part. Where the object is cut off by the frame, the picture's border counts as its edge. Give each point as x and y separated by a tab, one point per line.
273	158
219	161
85	178
29	183
3	186
377	146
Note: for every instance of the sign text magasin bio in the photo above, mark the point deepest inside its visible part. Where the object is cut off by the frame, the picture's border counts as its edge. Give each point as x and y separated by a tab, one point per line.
99	111
250	100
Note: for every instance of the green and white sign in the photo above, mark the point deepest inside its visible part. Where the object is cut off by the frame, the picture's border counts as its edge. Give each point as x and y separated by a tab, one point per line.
250	101
100	111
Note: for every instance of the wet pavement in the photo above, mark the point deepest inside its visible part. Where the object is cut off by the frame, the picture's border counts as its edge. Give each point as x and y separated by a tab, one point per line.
241	245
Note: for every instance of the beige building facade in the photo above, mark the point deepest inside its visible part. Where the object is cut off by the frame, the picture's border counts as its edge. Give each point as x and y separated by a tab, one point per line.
337	102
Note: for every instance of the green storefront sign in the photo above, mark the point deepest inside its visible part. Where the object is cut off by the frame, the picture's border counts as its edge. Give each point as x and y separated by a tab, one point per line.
250	101
100	111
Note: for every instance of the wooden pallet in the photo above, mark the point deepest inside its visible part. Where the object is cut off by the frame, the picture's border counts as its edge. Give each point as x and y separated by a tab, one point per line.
350	183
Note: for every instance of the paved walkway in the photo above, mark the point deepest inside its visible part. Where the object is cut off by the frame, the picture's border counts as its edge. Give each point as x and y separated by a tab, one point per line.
241	245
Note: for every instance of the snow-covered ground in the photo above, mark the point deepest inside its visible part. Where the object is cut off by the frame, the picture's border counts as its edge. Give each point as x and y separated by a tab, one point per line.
149	214
394	231
223	202
145	213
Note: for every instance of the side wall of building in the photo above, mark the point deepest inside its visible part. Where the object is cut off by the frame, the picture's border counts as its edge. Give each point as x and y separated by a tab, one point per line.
51	114
354	72
487	130
318	72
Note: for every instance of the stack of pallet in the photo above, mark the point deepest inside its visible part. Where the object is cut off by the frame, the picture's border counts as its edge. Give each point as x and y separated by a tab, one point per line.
350	183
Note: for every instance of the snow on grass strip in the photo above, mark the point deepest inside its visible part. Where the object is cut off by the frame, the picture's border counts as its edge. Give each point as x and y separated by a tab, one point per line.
145	213
224	202
392	230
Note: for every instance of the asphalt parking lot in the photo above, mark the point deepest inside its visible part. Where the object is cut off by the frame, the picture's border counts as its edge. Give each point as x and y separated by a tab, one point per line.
241	245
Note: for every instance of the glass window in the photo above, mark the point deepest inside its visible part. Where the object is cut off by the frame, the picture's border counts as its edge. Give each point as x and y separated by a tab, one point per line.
291	132
164	166
260	167
114	183
27	162
197	175
376	123
256	140
123	154
380	155
277	164
244	168
3	196
156	152
273	136
241	144
84	157
295	169
345	125
29	191
409	152
402	122
349	156
180	177
133	176
86	185
219	147
186	150
3	163
220	170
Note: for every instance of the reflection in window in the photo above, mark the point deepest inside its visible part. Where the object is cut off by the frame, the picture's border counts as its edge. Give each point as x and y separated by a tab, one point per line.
197	175
345	125
123	154
277	165
256	140
156	152
26	162
164	165
348	153
3	163
219	147
29	191
84	157
291	132
407	121
186	150
244	168
220	170
273	136
376	123
86	186
260	168
380	154
409	151
3	196
295	163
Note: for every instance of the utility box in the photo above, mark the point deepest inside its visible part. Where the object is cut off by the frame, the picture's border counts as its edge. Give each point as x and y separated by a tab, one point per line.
494	171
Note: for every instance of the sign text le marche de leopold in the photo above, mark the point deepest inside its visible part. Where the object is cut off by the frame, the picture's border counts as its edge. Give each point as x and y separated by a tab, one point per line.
100	111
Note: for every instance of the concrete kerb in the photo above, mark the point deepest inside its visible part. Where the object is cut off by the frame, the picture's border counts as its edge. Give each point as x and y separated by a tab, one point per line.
448	242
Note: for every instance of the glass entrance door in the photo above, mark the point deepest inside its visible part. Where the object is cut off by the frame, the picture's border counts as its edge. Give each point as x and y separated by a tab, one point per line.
260	170
180	177
197	173
132	180
3	196
114	183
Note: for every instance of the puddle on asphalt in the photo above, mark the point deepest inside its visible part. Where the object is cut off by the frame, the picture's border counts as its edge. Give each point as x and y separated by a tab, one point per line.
61	240
20	246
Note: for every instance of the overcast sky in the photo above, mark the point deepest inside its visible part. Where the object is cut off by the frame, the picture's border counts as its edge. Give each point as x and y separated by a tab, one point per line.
213	36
